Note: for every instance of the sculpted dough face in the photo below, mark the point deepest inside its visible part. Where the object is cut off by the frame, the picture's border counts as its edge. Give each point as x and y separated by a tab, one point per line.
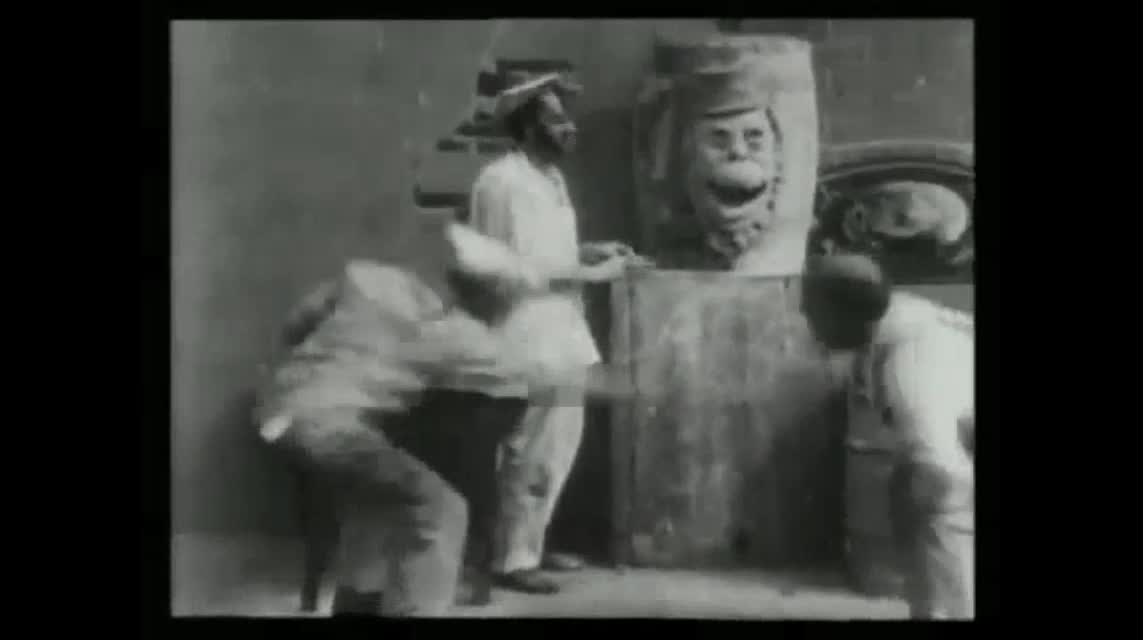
732	173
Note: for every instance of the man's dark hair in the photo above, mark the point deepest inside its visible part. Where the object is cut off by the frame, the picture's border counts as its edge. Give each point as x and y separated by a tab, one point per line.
854	281
843	297
518	122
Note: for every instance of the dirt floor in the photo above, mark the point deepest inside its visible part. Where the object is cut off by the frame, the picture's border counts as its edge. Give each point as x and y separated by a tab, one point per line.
260	576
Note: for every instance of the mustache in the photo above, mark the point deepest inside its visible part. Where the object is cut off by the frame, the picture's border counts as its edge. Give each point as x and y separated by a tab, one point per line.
559	141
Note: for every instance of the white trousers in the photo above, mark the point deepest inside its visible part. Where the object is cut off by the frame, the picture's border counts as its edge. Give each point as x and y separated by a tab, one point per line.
533	465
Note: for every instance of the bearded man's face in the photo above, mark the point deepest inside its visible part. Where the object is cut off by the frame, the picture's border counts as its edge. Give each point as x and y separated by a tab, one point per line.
553	129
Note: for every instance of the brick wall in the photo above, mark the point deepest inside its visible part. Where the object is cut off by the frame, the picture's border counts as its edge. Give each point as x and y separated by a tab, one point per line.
887	78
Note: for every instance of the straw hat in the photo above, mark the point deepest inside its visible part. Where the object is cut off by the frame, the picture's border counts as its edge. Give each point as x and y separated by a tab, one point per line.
521	87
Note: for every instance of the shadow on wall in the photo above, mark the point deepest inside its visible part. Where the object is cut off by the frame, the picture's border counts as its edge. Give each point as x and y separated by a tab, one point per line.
600	178
600	175
293	150
583	521
232	443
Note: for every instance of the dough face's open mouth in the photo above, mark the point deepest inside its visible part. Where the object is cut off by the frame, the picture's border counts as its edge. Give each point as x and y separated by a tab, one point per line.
735	196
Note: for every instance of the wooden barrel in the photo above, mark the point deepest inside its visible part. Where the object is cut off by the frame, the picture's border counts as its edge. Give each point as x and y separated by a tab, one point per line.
728	454
778	71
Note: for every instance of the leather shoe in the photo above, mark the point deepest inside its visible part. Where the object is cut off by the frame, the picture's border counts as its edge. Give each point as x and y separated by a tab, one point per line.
475	589
350	602
562	562
527	581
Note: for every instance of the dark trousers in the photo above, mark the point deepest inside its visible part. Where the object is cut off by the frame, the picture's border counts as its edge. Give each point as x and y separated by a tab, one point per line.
402	527
457	434
411	489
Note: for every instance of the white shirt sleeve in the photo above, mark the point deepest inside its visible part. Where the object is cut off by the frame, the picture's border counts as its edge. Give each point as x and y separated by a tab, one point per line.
487	248
487	258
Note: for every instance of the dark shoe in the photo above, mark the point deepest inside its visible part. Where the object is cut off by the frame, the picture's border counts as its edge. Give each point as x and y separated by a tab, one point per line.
349	602
562	562
527	581
476	589
472	596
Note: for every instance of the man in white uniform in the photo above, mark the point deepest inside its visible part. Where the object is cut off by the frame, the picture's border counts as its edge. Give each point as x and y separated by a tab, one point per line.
521	199
921	358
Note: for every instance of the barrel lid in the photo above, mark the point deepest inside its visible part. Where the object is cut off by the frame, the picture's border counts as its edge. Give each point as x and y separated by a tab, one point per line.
754	43
685	54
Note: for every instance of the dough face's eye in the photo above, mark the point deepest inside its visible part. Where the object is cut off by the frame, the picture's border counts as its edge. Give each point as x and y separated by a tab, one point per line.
856	216
755	138
719	138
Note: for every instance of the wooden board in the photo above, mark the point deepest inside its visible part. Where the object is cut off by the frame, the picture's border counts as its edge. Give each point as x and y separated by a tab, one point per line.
730	452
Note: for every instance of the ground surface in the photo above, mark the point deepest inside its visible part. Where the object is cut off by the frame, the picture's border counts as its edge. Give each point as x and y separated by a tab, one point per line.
259	576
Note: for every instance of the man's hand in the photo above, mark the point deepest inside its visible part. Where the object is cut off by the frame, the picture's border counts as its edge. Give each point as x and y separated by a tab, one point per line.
610	269
593	253
636	261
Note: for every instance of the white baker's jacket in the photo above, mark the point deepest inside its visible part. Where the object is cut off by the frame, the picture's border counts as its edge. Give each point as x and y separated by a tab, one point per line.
923	363
529	210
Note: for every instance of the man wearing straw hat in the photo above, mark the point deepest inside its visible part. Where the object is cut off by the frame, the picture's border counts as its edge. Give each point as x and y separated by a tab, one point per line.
521	199
919	359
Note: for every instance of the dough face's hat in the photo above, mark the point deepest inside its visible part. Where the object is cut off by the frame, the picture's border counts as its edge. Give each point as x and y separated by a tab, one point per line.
723	91
521	87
